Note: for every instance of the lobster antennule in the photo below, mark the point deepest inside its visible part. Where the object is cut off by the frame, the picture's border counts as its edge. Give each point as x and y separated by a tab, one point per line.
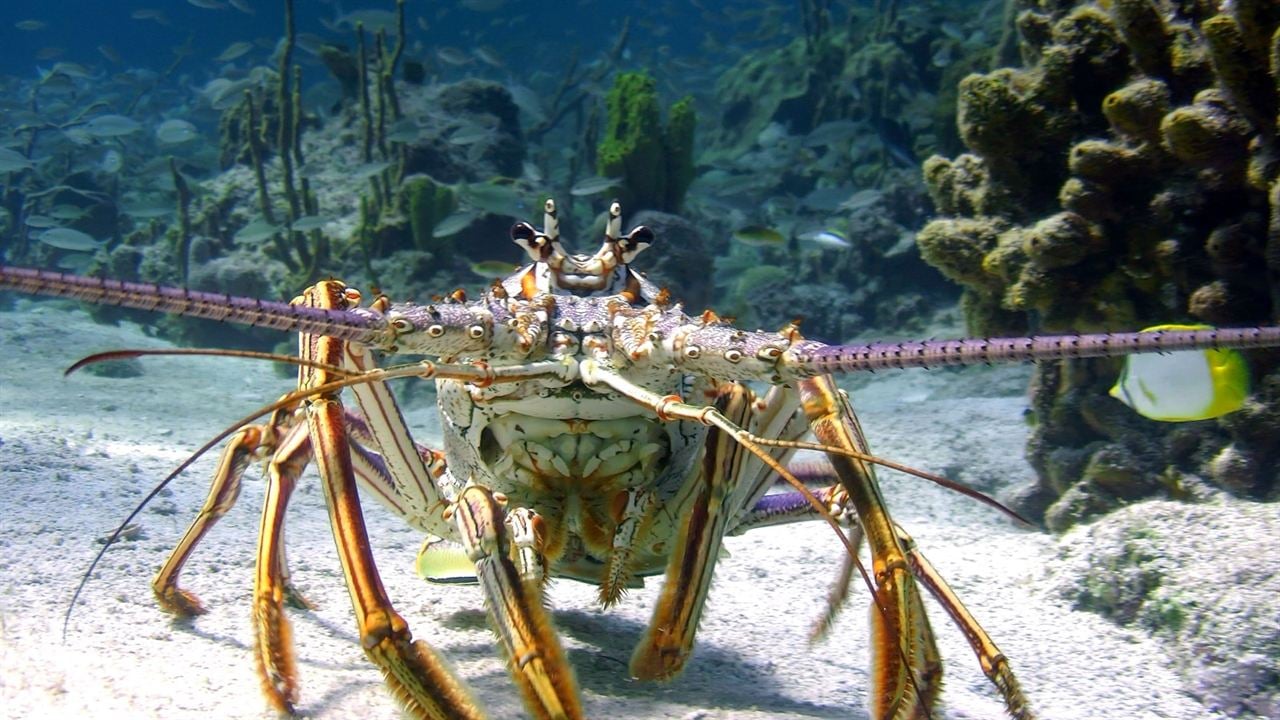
357	325
812	358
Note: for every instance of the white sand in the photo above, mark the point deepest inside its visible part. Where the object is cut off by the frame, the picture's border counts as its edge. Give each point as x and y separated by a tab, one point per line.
77	453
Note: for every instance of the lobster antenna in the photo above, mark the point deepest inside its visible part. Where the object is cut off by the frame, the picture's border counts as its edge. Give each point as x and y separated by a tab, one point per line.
231	430
816	358
130	353
212	443
894	465
358	326
349	378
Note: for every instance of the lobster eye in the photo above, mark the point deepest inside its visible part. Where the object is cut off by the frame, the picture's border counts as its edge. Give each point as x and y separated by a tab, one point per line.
641	236
769	353
522	233
633	242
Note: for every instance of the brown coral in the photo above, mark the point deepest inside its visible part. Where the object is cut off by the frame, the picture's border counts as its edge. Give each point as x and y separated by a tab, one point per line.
1119	178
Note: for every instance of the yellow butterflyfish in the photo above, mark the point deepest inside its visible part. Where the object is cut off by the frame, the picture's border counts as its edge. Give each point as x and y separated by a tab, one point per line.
443	562
1185	385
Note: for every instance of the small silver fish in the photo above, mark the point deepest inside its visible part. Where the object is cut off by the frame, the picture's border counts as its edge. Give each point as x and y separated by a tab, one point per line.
105	126
405	130
234	50
488	56
150	14
497	199
307	223
176	131
41	222
528	101
453	56
256	231
110	54
76	263
147	210
594	185
531	172
483	6
71	70
112	162
367	170
861	199
454	223
943	57
470	135
829	239
827	198
832	133
65	238
67	212
13	161
372	20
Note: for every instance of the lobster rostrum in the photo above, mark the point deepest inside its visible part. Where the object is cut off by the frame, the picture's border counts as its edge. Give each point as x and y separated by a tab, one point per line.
591	430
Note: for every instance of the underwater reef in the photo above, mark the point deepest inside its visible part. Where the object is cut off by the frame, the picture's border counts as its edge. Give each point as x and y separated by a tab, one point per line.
652	159
1124	174
810	166
878	171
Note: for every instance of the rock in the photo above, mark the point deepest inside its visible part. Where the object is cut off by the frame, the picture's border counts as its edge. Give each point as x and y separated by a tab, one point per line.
1202	578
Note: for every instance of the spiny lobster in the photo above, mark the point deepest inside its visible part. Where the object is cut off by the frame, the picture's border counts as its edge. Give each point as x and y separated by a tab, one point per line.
593	431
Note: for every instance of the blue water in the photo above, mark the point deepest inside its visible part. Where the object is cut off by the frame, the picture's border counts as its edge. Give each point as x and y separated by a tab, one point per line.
88	91
531	34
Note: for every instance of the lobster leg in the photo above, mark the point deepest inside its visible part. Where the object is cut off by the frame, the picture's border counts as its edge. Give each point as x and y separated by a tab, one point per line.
223	493
526	529
729	479
906	672
906	668
243	447
637	515
993	662
410	476
274	653
788	507
416	674
668	642
514	599
290	448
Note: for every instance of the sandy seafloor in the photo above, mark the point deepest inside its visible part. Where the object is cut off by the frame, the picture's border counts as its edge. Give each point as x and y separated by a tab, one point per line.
77	453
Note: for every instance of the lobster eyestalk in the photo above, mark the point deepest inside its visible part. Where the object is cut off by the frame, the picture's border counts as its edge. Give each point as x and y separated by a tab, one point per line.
807	359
